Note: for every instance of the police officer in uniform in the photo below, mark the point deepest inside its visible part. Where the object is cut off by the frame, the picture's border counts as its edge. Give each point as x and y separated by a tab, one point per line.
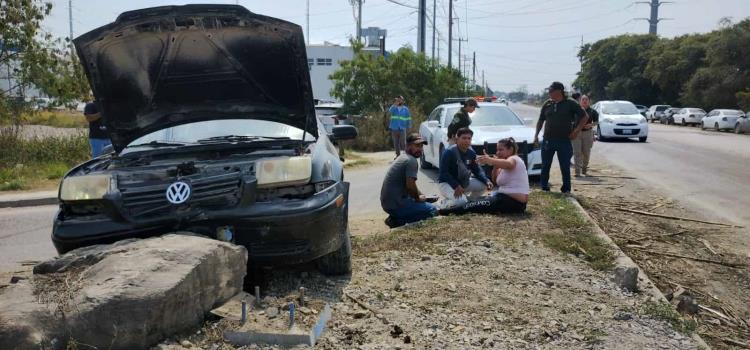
562	119
461	119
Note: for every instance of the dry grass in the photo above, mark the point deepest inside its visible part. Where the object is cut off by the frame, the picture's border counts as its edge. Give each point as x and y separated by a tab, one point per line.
58	119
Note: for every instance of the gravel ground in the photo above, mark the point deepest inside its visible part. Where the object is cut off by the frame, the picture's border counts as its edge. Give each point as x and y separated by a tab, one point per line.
470	282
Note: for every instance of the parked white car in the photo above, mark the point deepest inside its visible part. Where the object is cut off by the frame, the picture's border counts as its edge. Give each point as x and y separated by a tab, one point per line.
721	119
490	122
620	120
328	114
689	116
743	124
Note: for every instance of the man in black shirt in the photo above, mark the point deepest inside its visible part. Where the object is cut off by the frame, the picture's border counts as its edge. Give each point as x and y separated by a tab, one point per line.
585	140
562	119
98	137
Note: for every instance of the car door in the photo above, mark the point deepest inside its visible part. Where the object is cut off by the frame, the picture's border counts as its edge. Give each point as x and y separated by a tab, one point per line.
708	121
434	126
679	117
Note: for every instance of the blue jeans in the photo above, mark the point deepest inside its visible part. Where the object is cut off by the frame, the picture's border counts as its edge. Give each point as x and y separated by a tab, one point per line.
412	211
97	146
564	149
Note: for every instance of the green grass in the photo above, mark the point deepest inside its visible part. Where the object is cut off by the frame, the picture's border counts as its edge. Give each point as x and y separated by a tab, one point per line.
577	237
665	312
58	119
33	163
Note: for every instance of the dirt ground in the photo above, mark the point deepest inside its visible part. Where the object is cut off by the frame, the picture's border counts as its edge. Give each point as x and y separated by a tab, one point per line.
472	282
719	283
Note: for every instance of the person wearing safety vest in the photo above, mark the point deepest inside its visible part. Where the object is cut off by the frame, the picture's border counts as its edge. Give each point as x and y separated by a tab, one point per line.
399	124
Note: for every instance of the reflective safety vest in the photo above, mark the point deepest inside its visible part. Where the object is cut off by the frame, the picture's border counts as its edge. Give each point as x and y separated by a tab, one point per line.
400	118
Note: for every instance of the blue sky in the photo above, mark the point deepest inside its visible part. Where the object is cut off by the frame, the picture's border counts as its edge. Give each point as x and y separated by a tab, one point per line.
517	42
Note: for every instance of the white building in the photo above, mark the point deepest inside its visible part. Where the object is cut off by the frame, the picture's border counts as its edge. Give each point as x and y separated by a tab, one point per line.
323	60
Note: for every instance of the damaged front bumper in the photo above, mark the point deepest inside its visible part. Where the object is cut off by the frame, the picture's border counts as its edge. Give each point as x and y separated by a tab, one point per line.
275	232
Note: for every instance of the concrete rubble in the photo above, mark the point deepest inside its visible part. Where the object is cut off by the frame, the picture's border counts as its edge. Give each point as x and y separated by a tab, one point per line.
128	295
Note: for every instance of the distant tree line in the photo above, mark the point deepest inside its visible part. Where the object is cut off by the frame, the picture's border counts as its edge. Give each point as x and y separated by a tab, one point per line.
710	70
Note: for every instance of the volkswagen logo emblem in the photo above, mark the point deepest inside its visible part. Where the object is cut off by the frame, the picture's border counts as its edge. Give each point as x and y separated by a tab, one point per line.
178	192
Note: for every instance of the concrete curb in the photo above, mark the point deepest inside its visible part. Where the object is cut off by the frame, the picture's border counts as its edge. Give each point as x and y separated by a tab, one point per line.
28	202
645	284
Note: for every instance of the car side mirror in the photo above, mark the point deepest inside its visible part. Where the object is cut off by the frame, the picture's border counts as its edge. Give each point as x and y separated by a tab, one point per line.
343	132
433	124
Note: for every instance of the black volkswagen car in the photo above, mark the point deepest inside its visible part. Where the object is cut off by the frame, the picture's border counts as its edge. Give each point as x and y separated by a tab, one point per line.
211	116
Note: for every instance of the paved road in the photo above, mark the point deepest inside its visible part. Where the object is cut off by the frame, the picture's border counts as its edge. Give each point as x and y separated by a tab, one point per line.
25	235
704	170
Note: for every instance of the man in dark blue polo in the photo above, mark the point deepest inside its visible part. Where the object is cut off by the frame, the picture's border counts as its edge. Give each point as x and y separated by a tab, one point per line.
562	119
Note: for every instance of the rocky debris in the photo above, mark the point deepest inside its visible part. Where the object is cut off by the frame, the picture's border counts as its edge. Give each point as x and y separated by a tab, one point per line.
128	295
627	278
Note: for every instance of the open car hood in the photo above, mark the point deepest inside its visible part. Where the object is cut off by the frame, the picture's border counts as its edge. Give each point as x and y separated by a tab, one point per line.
164	66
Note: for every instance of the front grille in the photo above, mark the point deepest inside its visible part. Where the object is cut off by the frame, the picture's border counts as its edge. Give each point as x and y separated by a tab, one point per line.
207	192
632	131
627	124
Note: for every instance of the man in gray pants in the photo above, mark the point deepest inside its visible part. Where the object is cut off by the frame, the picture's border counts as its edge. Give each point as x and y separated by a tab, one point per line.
399	124
583	143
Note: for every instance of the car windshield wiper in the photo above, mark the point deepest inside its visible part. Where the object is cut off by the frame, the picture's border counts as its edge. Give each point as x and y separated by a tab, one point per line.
156	144
239	138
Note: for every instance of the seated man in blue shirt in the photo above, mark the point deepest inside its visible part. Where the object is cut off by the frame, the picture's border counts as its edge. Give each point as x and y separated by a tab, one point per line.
457	164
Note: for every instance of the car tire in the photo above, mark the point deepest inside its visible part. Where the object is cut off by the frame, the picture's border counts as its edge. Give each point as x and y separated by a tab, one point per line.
643	139
716	126
703	126
737	129
338	262
424	163
599	134
683	122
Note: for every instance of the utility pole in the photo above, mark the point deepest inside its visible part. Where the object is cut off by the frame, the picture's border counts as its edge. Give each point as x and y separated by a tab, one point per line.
307	25
70	24
474	70
422	26
359	20
484	84
450	33
459	54
654	20
434	19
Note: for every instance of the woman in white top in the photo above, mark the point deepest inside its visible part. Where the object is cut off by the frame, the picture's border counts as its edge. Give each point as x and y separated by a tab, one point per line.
510	177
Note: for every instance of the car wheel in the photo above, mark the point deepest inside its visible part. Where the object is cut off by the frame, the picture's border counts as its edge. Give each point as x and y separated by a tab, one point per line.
424	163
599	134
716	126
703	126
338	262
683	122
643	139
737	129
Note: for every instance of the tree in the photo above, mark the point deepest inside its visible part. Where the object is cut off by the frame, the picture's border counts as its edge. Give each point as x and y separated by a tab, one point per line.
33	58
367	84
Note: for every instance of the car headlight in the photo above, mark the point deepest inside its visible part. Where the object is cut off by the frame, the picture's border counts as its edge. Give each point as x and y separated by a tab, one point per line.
608	121
284	171
86	187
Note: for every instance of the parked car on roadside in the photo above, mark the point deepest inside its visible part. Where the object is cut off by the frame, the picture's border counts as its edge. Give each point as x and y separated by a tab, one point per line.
743	124
328	114
689	116
490	122
224	143
667	116
643	109
721	119
620	120
655	112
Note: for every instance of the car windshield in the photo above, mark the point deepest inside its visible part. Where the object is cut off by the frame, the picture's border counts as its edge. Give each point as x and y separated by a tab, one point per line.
191	133
325	111
490	115
619	108
661	108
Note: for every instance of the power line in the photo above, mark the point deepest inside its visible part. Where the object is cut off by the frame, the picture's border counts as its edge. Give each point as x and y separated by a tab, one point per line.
402	4
653	22
552	39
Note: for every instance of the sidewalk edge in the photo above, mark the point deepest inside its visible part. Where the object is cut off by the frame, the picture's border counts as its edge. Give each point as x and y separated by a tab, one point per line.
621	259
33	202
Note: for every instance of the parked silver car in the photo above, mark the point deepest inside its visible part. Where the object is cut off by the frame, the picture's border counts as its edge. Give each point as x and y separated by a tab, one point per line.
743	124
689	116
